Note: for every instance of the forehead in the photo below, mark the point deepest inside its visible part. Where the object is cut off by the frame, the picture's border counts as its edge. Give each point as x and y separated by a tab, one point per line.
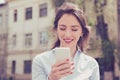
68	19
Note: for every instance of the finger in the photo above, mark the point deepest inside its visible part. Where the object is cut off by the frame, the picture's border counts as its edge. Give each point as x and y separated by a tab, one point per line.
65	72
61	62
63	75
62	67
59	71
65	66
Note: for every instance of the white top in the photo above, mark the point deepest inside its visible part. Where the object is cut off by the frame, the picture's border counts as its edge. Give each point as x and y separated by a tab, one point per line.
86	67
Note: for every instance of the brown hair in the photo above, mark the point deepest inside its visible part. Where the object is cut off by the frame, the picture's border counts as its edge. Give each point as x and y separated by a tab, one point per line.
70	8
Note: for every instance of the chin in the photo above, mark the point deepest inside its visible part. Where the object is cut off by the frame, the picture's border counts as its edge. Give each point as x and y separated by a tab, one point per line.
68	45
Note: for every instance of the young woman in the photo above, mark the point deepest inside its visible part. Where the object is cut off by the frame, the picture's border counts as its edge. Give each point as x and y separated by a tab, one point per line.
72	31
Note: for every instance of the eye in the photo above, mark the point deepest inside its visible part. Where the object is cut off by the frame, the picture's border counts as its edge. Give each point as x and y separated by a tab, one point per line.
62	29
74	29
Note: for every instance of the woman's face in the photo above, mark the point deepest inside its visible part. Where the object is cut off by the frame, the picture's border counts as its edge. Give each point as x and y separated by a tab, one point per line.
68	30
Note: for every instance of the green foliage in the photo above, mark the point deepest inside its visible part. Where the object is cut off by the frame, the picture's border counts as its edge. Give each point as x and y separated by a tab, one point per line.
91	23
80	3
58	3
102	28
94	44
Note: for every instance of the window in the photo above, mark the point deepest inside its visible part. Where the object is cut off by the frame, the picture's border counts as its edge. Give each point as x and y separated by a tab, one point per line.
1	21
14	40
28	39
15	15
28	13
43	37
27	66
13	67
43	10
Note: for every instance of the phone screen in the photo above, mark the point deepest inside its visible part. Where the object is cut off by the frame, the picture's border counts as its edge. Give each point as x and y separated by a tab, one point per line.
62	53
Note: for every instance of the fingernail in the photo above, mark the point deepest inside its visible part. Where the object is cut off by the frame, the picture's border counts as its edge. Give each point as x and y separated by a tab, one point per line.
73	68
72	64
67	59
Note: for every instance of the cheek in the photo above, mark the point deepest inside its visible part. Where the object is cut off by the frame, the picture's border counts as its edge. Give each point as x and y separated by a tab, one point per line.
59	34
78	35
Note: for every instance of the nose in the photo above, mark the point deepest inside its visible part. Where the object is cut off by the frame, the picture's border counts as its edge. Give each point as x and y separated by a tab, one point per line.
67	33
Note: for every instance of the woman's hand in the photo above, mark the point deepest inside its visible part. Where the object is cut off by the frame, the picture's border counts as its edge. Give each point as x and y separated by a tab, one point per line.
60	69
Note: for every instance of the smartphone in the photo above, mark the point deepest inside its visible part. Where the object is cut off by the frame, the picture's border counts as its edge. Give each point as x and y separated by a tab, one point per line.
62	53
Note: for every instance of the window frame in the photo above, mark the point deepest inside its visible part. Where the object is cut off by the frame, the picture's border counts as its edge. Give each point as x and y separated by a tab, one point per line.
28	39
28	13
27	66
43	10
15	15
14	40
43	38
13	71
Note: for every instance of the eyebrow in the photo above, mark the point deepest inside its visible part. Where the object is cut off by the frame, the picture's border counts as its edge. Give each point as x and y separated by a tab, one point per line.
72	25
62	25
75	26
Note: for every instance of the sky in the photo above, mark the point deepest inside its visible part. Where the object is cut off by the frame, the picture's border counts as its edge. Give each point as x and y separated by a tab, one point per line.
2	1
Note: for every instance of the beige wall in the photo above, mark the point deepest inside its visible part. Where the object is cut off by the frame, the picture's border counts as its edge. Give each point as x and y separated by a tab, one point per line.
35	25
23	26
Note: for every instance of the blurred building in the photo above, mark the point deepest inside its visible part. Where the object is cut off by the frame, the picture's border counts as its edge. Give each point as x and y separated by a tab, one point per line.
29	25
29	21
3	38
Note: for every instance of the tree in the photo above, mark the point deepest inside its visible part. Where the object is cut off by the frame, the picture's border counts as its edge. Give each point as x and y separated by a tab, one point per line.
102	29
57	3
81	4
118	12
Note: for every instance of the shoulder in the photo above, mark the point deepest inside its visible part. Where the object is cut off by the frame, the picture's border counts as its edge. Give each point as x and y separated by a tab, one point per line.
43	55
89	59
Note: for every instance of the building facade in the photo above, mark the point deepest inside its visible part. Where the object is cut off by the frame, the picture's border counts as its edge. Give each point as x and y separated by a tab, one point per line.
3	38
29	21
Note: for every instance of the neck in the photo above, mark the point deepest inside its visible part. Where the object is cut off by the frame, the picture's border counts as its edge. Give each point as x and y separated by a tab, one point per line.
73	51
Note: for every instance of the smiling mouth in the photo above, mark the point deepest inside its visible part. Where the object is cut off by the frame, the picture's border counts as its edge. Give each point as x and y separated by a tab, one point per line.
68	41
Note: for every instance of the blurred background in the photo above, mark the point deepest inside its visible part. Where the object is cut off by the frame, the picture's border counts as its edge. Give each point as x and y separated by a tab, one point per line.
26	30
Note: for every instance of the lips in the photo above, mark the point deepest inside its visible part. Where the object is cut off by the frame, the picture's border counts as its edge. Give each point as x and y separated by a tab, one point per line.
68	40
